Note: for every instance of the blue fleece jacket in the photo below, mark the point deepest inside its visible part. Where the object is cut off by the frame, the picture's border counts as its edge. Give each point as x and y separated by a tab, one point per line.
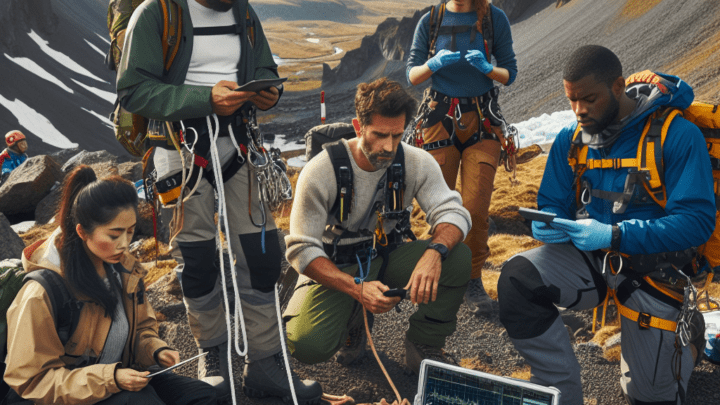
11	160
461	79
689	216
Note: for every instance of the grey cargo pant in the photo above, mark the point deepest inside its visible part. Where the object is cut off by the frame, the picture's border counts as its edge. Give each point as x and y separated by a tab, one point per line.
198	264
533	283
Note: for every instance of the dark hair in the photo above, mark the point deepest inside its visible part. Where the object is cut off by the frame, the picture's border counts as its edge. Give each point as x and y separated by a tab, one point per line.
384	97
90	202
593	60
482	7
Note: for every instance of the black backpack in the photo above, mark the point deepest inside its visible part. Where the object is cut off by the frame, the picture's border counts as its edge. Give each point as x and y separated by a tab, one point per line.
319	135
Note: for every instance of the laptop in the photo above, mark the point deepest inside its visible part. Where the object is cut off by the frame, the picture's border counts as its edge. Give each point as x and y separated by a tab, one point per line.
445	384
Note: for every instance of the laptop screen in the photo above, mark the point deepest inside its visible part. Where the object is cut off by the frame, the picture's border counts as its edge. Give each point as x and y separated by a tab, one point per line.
445	384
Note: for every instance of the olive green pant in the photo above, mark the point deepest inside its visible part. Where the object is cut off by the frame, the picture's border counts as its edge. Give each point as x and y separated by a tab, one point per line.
317	318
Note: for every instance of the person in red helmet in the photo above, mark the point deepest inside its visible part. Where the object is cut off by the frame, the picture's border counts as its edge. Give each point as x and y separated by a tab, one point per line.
14	155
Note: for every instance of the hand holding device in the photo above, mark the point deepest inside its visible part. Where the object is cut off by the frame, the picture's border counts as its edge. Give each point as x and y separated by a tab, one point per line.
176	365
478	60
396	292
586	234
442	59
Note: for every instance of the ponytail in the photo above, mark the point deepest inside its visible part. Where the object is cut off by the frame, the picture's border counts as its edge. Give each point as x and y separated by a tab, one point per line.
482	7
90	202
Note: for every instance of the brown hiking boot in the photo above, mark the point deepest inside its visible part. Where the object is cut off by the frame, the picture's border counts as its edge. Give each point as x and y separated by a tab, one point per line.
354	348
415	353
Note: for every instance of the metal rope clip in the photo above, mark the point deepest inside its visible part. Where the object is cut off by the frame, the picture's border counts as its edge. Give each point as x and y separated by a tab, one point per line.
687	312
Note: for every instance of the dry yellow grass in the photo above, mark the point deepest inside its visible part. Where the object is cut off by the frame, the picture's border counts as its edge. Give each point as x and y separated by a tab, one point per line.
523	374
162	268
605	333
636	8
613	354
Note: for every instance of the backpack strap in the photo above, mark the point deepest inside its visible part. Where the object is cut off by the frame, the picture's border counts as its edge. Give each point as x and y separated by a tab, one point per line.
396	181
435	23
344	178
66	309
172	30
650	153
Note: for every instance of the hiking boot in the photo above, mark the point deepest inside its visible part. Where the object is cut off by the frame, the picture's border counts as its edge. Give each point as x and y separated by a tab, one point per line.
477	299
268	378
213	369
354	348
415	353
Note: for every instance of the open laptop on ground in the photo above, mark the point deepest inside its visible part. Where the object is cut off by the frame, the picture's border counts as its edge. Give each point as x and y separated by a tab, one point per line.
445	384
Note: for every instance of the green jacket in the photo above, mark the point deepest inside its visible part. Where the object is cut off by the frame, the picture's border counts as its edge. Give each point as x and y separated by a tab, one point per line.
141	85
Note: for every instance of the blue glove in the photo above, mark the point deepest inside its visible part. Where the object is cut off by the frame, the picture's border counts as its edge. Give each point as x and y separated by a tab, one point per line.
478	60
547	234
586	234
442	59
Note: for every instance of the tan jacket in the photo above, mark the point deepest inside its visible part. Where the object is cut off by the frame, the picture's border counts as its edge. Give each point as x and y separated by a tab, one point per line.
37	362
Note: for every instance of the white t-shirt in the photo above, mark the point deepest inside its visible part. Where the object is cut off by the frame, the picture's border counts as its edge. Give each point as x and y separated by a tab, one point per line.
214	57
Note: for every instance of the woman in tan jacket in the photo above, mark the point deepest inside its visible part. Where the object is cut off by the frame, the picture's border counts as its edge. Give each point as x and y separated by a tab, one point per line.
116	335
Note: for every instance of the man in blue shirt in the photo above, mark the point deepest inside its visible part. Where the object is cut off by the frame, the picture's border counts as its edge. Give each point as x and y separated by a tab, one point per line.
14	155
601	243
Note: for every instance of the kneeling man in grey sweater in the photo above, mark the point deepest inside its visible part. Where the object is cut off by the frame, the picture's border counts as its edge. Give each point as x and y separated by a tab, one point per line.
349	232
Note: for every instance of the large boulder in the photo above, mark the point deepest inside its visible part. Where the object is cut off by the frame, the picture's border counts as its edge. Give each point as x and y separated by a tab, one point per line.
47	208
28	185
89	158
131	171
12	245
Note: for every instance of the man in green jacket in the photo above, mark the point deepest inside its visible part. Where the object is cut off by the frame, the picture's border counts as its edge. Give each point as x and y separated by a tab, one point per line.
223	46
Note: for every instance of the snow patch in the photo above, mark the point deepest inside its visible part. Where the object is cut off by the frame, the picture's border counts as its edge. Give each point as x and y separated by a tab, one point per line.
95	48
105	120
543	129
33	67
337	50
105	95
36	123
313	40
61	58
107	41
283	144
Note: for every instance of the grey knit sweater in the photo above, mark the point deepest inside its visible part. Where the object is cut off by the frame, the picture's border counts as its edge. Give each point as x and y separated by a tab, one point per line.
311	224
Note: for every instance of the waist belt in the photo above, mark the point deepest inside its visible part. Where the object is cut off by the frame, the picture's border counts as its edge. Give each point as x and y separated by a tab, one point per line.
444	98
346	254
643	319
454	141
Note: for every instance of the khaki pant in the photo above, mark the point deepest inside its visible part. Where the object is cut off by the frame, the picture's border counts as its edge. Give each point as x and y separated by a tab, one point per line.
256	271
317	317
477	175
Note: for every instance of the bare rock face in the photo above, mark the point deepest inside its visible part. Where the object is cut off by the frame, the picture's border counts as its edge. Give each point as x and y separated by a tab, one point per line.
391	41
18	17
28	185
513	8
12	245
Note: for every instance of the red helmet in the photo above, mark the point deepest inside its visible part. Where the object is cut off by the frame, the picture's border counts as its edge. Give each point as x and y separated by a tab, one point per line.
13	136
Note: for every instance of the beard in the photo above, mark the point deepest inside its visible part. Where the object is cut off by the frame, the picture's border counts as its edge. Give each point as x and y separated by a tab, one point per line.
605	120
218	5
378	160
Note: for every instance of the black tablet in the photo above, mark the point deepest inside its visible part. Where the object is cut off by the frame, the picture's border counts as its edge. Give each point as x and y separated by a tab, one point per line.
260	85
535	215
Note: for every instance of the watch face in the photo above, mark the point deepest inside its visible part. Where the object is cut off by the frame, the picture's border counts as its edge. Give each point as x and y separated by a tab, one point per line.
442	249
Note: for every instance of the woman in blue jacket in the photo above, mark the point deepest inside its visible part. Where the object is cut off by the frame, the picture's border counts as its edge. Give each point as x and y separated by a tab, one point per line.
457	59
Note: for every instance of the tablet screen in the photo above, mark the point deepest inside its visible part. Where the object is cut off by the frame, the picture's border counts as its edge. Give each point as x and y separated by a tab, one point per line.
449	386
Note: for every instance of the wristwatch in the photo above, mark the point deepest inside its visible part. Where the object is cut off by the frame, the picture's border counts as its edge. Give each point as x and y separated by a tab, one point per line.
442	249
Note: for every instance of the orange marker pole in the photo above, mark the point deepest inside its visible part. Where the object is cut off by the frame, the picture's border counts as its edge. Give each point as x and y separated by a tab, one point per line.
322	107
